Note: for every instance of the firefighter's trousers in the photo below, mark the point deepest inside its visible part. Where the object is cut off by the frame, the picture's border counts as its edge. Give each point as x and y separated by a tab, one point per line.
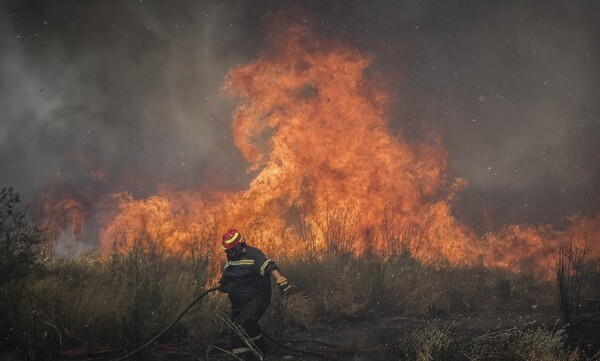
247	315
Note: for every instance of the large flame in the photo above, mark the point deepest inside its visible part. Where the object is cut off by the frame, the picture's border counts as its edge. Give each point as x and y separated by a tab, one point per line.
313	128
329	175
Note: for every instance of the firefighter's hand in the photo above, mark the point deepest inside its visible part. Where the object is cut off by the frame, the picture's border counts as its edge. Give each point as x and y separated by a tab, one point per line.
284	286
223	288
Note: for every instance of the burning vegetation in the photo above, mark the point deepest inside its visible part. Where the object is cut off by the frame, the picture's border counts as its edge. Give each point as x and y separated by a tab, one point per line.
313	128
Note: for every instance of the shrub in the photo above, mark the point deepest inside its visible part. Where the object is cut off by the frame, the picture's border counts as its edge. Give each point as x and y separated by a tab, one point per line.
19	241
570	277
18	238
430	343
522	344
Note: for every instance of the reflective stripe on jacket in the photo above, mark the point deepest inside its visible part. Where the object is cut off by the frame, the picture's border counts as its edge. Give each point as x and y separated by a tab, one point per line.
248	276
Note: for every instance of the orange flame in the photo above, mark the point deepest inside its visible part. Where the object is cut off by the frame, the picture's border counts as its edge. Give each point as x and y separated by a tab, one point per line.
532	249
329	175
316	127
64	217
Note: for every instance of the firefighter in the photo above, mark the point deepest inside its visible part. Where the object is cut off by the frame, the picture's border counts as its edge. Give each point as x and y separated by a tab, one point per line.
246	280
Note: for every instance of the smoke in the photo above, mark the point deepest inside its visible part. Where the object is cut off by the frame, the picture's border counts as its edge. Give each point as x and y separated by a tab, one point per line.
522	118
130	93
509	85
125	96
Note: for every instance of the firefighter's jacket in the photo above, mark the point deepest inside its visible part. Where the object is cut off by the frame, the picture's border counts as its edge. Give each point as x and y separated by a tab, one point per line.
248	276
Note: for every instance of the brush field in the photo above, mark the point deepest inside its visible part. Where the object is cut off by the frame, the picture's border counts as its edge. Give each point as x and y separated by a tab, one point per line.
99	308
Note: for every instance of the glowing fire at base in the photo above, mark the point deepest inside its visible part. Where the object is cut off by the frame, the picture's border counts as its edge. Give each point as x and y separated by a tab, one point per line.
313	127
329	175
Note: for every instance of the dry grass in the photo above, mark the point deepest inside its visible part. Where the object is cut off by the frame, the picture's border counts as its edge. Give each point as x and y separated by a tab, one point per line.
121	301
117	303
430	343
525	343
346	288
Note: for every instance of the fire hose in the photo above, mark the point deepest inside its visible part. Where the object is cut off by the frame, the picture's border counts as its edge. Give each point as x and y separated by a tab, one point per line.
185	310
301	351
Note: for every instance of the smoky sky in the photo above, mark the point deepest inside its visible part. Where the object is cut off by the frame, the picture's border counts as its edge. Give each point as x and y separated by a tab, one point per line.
107	96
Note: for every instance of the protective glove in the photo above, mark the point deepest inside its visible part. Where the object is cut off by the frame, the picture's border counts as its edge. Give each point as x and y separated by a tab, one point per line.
223	288
284	286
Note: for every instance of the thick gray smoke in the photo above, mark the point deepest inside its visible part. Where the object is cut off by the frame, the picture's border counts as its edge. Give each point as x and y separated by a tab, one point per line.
122	91
125	95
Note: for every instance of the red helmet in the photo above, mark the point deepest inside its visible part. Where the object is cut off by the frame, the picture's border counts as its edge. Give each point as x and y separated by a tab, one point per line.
231	239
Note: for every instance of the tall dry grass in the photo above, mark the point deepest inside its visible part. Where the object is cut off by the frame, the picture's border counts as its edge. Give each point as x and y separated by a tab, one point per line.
118	303
121	300
525	343
342	288
578	283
